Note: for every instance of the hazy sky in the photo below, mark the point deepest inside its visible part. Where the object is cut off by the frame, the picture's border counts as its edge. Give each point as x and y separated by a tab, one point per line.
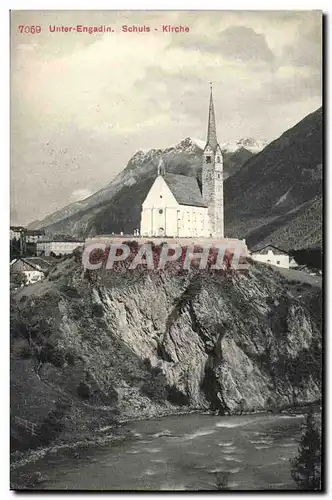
82	104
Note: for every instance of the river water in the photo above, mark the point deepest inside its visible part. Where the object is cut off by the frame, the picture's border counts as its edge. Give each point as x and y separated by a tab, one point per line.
181	453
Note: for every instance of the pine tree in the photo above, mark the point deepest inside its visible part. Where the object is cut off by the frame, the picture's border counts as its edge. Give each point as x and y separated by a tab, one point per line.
306	467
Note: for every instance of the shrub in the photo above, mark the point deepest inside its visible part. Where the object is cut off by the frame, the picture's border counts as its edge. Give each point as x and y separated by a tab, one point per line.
50	354
147	363
97	310
53	423
222	480
306	467
22	349
155	387
17	279
83	390
70	291
69	357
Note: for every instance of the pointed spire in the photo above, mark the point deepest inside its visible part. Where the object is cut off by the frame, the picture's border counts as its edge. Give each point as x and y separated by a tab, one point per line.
161	166
212	132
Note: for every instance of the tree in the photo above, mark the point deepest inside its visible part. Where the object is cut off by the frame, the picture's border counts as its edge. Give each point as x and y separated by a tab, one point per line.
54	422
222	480
306	467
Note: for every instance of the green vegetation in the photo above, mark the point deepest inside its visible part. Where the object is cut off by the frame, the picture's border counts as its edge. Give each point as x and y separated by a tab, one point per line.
53	423
306	467
17	280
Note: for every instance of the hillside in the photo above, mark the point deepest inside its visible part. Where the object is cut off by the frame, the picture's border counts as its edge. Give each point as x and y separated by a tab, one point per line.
299	228
276	197
90	349
184	158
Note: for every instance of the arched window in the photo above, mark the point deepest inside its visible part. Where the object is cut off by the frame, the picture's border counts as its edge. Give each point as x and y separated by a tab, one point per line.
218	159
208	159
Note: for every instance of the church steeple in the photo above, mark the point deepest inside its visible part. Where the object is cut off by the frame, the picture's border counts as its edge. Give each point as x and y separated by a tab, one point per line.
212	140
212	176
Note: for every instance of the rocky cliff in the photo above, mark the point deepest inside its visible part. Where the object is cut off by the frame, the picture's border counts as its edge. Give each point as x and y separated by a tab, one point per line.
137	344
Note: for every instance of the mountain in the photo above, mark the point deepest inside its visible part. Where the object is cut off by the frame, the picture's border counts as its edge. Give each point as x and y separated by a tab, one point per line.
90	349
131	186
249	144
276	197
34	224
273	197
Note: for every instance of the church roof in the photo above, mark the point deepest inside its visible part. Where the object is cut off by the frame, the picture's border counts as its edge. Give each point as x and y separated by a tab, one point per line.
266	248
185	189
212	140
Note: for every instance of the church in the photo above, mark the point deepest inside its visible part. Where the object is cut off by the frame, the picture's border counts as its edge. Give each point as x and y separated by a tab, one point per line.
176	206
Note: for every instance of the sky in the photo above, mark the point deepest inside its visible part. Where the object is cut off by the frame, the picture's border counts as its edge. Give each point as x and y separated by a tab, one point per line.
82	104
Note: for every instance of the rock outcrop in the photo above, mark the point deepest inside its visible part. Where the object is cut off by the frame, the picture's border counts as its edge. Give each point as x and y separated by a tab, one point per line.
140	344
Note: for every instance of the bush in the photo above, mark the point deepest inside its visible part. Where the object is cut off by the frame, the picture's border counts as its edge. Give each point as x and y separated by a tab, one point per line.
53	423
69	357
306	467
83	390
17	279
155	387
97	310
21	349
70	291
50	354
222	480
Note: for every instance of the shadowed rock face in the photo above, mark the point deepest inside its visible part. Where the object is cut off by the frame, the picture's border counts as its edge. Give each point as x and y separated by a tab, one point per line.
276	197
142	344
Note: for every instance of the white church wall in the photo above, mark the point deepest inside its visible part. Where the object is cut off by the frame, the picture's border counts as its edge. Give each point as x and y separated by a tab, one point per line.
163	216
193	221
159	211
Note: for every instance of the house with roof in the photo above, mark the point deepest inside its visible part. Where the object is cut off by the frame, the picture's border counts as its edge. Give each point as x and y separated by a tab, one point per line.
15	232
34	235
57	246
177	206
34	268
270	254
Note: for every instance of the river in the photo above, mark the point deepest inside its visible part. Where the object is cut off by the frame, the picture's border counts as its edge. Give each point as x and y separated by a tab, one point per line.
181	453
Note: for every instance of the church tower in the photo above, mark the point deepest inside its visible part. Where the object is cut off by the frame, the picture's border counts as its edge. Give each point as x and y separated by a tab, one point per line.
212	177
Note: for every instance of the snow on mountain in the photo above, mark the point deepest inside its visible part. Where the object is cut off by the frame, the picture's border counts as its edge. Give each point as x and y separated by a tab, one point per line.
184	158
199	142
252	145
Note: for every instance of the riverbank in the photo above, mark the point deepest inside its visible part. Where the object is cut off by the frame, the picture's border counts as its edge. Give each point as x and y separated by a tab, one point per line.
181	452
119	433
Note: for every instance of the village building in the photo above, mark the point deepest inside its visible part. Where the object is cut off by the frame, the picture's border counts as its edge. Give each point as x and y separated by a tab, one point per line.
15	232
33	268
270	254
57	247
176	205
34	235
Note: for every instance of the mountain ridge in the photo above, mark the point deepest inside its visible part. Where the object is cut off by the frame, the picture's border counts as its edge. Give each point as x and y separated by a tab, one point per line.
284	176
185	157
273	197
